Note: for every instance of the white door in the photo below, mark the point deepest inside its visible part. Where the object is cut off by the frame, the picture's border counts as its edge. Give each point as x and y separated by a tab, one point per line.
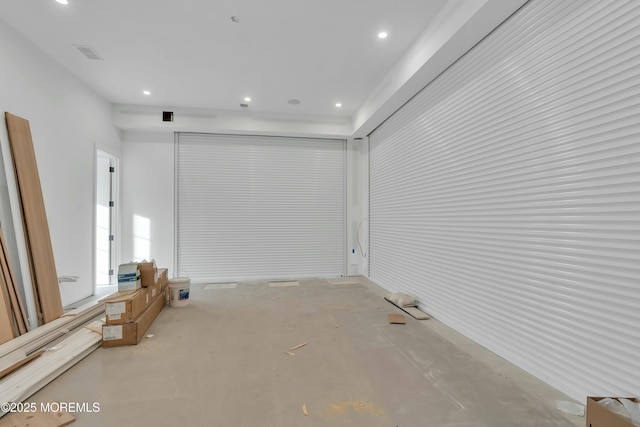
105	231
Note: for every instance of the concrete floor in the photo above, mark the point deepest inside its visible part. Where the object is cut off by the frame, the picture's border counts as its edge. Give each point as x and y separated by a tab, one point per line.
221	361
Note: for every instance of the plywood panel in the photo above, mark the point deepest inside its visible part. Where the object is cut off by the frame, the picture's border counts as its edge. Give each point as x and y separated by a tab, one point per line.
35	218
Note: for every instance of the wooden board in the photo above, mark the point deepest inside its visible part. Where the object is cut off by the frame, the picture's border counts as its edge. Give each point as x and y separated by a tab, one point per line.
37	419
415	312
283	283
395	318
34	215
7	330
19	364
7	326
14	295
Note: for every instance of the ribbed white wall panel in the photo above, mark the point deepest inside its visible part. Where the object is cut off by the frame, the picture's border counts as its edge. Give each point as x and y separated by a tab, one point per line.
259	207
506	195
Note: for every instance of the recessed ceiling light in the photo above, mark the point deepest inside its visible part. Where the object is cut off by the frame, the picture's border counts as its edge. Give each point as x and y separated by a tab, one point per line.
338	104
382	35
62	1
247	99
146	92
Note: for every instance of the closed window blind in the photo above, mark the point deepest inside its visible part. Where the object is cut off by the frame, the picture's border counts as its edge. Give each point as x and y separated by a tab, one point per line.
506	195
251	207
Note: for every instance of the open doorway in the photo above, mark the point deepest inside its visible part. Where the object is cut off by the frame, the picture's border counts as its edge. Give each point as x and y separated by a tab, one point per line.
106	222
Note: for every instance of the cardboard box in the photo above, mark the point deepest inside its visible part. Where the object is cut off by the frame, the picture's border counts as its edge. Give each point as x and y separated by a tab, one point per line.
600	416
148	273
126	307
163	283
153	291
160	284
163	278
128	277
132	333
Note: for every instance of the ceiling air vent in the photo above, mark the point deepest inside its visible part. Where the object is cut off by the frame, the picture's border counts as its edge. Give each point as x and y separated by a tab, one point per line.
244	106
88	51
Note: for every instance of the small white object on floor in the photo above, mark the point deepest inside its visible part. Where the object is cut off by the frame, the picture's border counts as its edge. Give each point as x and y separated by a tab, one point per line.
150	336
570	407
633	408
402	300
298	346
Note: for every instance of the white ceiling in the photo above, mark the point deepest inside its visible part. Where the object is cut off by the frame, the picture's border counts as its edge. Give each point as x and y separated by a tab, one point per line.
192	56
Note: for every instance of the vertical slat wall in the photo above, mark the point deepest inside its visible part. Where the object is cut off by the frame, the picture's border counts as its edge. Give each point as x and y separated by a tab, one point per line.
506	195
252	207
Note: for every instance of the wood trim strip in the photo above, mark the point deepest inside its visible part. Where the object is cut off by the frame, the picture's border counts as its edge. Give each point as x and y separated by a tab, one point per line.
28	380
45	334
20	363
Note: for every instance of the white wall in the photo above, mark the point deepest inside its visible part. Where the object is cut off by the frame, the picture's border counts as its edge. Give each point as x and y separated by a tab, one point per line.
68	120
148	178
148	191
357	207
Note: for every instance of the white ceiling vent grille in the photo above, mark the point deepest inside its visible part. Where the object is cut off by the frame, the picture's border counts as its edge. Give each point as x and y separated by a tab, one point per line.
88	51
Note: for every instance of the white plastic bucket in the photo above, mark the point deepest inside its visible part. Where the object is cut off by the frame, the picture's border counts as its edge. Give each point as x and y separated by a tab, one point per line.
179	288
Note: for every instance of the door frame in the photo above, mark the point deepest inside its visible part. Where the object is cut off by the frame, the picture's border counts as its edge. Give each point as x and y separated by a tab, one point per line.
115	246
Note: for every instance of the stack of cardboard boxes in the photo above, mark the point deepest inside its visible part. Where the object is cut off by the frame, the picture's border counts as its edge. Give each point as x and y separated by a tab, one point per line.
130	313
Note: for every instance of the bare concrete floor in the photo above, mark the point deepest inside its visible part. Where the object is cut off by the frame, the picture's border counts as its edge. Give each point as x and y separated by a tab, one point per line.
221	361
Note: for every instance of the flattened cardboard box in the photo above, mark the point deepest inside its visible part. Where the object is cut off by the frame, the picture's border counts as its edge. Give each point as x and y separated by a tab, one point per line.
132	333
148	273
599	416
163	283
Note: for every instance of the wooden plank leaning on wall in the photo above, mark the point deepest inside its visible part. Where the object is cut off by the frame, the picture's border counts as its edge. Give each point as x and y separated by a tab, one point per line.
8	280
7	329
37	235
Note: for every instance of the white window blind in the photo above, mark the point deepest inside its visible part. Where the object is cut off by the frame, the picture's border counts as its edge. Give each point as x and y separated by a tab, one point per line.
251	207
506	195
